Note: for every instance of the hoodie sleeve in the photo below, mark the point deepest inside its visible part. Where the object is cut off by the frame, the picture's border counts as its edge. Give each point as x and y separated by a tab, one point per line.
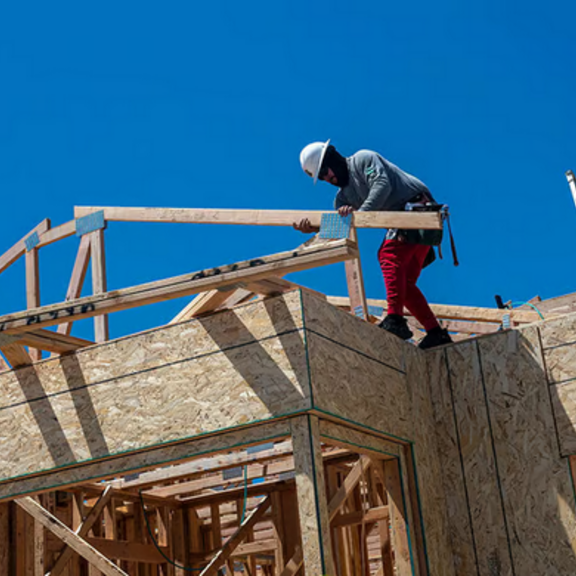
377	181
339	200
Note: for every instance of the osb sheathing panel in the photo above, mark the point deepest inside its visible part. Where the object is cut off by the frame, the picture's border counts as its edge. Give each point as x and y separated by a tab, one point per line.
356	387
358	441
354	333
559	344
130	463
312	499
428	469
535	483
564	406
446	434
215	375
477	453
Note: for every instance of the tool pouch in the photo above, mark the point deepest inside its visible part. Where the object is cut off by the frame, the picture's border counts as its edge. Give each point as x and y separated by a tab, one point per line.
430	237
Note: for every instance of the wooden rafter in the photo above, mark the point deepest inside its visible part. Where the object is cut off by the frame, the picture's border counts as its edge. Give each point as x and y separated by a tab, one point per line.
77	278
19	249
178	286
406	220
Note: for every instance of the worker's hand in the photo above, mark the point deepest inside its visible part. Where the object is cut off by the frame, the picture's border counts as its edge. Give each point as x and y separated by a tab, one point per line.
305	226
345	210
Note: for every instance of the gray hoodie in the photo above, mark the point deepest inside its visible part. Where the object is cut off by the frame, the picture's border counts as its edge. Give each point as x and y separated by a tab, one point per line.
376	184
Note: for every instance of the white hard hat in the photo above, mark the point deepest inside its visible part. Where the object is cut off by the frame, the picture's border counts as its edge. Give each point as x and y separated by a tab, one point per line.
312	156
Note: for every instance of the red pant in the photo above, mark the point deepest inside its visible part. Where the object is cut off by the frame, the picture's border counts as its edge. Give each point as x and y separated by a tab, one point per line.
401	265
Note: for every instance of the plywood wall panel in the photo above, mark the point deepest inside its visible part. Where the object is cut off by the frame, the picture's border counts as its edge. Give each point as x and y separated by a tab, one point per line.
428	468
535	482
354	386
242	385
352	332
564	406
447	439
480	467
141	352
130	463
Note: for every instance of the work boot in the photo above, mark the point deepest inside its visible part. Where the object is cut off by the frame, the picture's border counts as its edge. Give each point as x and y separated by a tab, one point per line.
435	337
397	325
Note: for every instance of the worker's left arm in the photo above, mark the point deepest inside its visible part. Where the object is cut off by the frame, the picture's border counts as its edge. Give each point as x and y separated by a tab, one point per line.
378	183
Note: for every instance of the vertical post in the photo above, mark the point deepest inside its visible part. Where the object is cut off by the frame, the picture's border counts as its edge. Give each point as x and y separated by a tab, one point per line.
99	281
311	491
389	471
5	537
572	183
33	290
355	282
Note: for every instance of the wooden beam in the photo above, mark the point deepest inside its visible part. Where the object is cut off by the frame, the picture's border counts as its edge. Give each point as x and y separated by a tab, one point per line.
77	277
67	552
33	291
355	282
129	551
178	286
16	355
62	531
19	249
350	482
294	564
57	233
240	534
406	220
202	304
389	473
448	312
214	463
52	341
353	518
99	284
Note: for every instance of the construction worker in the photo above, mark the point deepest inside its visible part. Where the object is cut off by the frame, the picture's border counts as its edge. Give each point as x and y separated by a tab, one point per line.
369	182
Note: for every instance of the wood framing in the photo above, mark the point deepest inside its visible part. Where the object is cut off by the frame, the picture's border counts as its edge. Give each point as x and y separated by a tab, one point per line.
185	285
19	249
99	283
407	220
80	546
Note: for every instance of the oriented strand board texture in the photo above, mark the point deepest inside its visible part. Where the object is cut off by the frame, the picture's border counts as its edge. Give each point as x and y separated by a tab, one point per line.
448	442
428	468
559	344
477	453
166	385
358	441
538	495
160	456
312	499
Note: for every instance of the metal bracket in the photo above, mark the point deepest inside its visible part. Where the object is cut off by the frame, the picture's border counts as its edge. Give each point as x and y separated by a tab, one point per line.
90	223
359	312
333	226
259	448
32	241
231	473
375	310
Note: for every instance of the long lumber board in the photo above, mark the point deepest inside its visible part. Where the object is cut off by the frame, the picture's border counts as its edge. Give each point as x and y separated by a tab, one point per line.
406	220
178	286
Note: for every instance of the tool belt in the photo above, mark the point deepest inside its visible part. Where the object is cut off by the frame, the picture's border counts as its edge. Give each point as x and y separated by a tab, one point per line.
430	237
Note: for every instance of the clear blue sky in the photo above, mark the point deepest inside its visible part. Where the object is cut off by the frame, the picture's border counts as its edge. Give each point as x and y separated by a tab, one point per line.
190	104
